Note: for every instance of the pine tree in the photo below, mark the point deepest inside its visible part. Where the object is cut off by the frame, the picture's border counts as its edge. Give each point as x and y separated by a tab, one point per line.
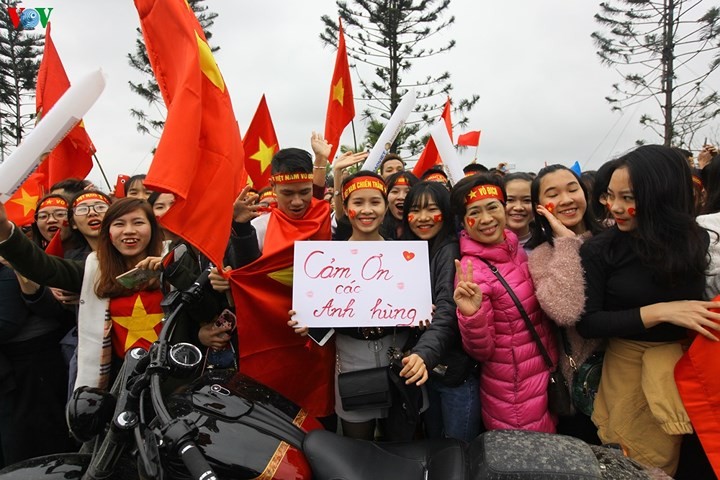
665	50
390	36
20	53
152	123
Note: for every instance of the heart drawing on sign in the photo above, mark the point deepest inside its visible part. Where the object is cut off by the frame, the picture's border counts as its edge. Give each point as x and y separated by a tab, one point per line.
400	285
310	294
354	251
408	255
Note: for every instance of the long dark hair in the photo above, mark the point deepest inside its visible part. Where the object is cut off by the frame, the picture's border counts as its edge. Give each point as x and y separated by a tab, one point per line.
667	238
389	228
420	196
111	262
541	230
711	181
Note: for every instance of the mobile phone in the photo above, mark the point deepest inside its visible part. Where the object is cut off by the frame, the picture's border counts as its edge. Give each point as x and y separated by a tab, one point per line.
225	319
136	277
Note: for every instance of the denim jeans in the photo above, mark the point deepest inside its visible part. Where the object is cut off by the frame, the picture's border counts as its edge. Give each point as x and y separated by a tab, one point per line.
454	412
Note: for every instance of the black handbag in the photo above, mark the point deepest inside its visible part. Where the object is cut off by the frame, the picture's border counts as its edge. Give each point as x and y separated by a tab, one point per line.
559	401
586	377
365	389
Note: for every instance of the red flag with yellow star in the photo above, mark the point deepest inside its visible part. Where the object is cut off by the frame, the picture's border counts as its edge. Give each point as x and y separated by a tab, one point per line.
137	320
21	206
341	107
260	144
430	155
270	351
72	158
200	154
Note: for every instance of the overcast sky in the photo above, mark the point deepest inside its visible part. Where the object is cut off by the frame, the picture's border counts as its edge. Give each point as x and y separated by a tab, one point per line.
532	62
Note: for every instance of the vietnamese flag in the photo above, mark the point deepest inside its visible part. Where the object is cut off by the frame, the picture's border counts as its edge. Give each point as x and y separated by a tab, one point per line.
21	206
341	106
430	155
269	350
72	158
200	155
261	144
696	376
469	139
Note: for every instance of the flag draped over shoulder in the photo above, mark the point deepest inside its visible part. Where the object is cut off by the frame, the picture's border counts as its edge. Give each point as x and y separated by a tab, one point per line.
269	350
200	155
21	206
261	144
430	155
72	157
341	107
469	139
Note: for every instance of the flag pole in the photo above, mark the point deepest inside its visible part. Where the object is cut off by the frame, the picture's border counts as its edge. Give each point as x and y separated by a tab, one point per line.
97	160
476	151
352	124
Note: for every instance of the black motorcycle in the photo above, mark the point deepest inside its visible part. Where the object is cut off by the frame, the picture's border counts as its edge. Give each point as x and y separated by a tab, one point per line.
225	425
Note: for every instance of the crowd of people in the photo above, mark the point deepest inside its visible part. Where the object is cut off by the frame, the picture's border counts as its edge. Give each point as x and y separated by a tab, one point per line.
534	275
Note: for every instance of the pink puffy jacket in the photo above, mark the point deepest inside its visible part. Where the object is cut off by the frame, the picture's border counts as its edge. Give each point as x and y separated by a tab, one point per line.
514	377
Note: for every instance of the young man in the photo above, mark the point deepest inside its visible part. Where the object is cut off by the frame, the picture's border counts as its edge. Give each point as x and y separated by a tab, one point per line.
261	254
391	163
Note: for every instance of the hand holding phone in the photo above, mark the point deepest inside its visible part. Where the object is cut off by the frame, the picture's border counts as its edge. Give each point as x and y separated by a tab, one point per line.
136	277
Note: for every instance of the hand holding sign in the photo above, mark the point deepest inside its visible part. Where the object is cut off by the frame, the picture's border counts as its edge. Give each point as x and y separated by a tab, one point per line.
468	296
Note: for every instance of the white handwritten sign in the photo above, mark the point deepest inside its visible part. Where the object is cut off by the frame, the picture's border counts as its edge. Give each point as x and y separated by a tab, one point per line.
361	284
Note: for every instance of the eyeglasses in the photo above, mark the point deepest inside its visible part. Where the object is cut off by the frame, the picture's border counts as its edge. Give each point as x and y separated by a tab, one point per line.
82	210
57	215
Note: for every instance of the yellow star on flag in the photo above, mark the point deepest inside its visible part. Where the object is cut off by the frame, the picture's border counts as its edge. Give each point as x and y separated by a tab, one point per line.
27	201
139	324
263	155
208	65
339	91
284	276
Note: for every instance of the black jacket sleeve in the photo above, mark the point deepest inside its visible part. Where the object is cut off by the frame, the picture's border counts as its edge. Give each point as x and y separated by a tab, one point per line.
243	246
13	312
443	332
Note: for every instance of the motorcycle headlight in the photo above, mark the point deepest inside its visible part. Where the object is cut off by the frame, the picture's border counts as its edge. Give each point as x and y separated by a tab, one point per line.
88	411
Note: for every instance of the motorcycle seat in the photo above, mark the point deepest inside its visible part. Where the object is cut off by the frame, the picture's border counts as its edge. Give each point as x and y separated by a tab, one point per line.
340	458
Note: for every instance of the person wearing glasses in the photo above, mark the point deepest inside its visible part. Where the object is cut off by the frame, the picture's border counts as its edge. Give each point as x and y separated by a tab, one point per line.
51	217
85	215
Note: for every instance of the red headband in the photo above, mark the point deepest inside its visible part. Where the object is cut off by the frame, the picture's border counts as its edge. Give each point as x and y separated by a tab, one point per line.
402	181
291	177
364	182
267	194
436	177
481	192
89	196
53	202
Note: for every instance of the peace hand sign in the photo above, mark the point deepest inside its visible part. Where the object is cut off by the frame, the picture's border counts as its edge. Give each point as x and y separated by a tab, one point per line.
467	296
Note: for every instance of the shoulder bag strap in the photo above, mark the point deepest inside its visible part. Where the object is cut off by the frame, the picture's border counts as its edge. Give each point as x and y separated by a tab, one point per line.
523	313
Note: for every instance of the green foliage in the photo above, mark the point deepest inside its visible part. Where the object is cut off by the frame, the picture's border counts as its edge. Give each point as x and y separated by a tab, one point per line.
152	123
389	37
20	54
665	51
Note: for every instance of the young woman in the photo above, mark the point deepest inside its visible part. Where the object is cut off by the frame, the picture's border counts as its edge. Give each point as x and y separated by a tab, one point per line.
51	217
644	285
398	186
563	223
454	409
514	376
365	205
85	214
518	206
135	187
112	318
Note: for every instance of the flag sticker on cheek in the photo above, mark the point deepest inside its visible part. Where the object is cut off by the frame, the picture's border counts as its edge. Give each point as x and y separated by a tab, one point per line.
470	222
631	211
352	213
411	218
550	207
437	218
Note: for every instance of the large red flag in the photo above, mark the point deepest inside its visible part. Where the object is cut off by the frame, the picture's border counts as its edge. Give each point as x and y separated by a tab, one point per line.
469	139
200	155
261	144
21	206
430	155
341	107
73	155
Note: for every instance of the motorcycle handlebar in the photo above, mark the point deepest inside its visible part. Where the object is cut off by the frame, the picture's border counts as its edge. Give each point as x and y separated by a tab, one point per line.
195	462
